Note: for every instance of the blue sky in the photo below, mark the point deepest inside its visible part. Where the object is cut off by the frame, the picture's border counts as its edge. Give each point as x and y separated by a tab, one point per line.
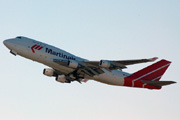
96	29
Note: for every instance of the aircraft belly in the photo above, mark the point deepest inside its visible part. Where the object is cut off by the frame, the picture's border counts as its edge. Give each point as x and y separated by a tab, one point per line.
112	78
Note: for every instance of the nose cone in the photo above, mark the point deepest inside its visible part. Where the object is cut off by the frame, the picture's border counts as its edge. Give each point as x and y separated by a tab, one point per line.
6	42
9	43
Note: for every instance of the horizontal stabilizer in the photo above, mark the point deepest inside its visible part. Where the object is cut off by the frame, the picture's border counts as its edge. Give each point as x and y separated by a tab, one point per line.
158	83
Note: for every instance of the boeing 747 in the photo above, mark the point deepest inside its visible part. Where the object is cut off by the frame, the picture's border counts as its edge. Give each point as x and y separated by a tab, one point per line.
66	67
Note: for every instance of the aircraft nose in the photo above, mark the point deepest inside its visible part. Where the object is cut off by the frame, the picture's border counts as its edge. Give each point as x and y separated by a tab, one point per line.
9	43
6	42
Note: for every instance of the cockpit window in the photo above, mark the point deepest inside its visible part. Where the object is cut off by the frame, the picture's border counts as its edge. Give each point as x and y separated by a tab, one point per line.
19	37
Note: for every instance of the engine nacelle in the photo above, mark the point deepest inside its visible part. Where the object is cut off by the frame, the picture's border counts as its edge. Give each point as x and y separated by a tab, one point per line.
48	72
61	78
72	64
105	64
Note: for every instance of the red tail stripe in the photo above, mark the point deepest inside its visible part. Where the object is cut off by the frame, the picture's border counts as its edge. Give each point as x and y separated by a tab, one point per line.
150	68
156	73
150	76
156	79
153	72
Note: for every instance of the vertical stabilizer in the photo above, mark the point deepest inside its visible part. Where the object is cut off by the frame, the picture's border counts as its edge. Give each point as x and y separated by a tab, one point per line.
153	72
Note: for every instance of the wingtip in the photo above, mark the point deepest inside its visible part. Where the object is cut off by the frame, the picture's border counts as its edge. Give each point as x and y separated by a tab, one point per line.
173	82
153	59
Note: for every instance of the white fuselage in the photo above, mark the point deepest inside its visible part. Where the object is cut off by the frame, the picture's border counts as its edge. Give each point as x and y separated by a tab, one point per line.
47	53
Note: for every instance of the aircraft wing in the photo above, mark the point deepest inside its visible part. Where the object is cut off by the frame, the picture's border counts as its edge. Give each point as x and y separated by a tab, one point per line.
92	68
118	64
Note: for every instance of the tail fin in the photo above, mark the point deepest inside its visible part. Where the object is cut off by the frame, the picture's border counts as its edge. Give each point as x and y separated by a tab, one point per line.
149	77
153	72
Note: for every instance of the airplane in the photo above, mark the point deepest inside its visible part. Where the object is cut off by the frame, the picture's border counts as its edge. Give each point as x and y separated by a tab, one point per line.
66	67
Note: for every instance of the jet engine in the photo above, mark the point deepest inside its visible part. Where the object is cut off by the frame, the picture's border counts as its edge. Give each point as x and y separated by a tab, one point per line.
61	78
72	64
105	64
48	72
